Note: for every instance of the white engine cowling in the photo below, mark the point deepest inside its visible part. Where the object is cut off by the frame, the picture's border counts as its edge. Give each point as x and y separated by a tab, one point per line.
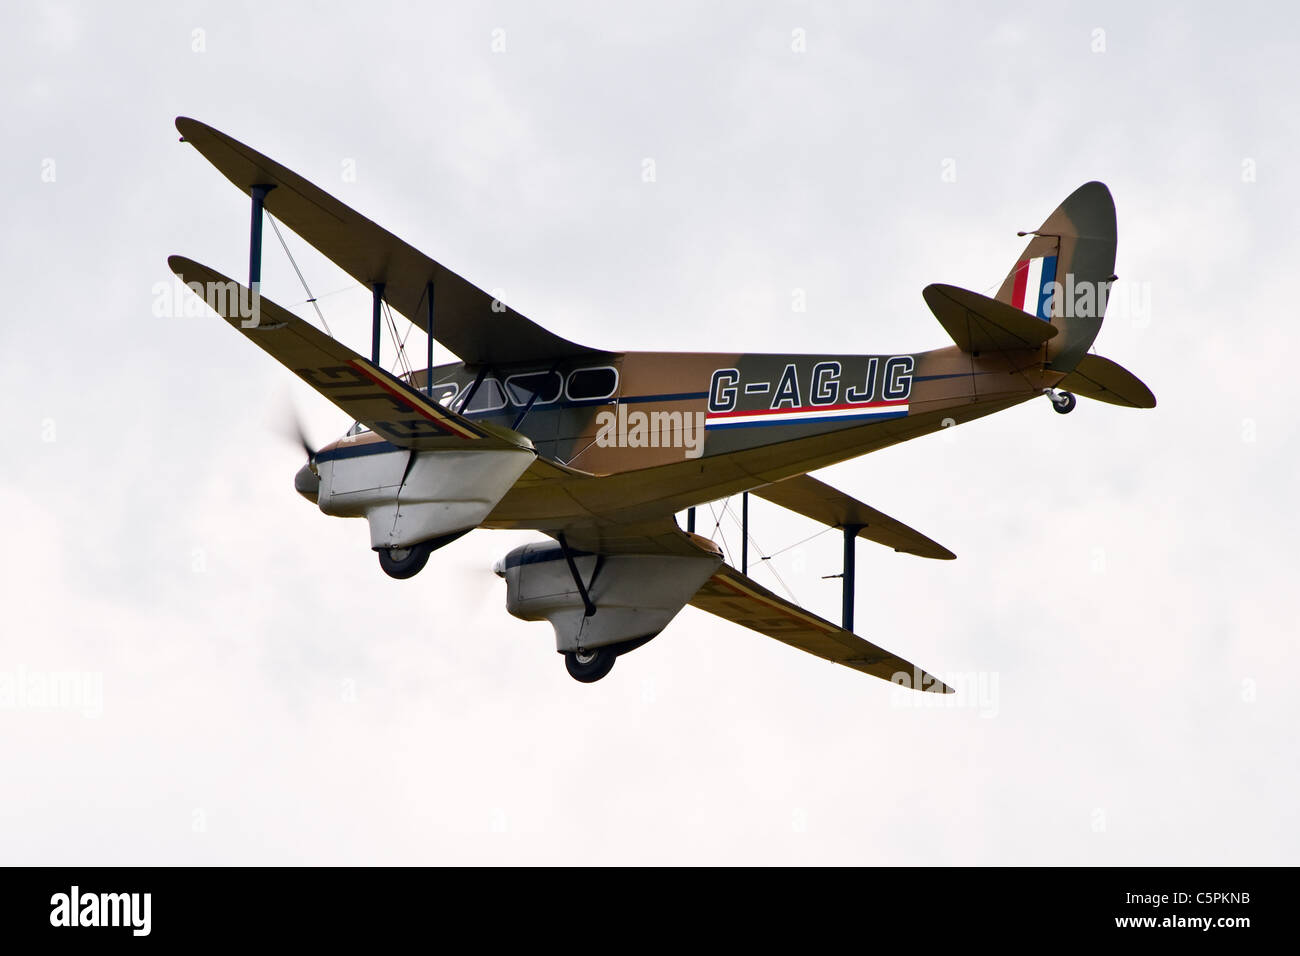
444	491
635	595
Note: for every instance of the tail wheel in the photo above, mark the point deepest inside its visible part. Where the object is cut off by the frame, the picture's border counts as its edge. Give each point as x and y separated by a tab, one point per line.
1063	403
590	666
405	563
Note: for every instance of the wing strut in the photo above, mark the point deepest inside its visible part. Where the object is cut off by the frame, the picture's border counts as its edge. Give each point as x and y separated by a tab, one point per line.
428	379
851	532
377	297
255	239
377	289
467	397
744	533
519	419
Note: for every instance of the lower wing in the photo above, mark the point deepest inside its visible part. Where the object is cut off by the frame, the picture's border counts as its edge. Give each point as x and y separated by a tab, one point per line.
739	599
736	597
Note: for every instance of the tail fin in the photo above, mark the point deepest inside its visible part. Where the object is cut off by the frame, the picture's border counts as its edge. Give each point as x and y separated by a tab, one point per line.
1064	274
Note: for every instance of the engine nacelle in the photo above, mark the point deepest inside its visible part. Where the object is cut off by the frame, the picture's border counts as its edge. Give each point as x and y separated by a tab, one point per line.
635	595
407	502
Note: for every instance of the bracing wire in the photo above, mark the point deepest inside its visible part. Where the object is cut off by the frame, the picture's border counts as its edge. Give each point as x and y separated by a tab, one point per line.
791	547
400	341
766	559
350	287
310	298
728	552
717	528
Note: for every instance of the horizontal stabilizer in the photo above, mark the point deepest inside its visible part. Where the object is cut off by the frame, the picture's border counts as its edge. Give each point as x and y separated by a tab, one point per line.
387	405
467	321
737	598
980	324
814	499
1106	381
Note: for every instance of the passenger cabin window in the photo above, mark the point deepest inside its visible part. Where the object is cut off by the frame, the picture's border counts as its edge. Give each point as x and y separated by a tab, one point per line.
545	385
592	383
489	397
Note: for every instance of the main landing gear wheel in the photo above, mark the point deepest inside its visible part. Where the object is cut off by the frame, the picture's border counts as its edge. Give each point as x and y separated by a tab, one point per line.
590	666
405	563
1063	403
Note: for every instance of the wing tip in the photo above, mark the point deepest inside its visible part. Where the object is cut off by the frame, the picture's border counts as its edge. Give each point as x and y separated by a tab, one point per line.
187	126
932	685
935	551
918	680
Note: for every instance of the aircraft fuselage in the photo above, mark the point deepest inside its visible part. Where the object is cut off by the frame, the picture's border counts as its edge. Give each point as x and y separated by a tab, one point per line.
699	426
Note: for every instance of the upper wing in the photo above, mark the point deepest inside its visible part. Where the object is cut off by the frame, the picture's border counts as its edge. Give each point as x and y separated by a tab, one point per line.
391	408
732	595
807	496
463	316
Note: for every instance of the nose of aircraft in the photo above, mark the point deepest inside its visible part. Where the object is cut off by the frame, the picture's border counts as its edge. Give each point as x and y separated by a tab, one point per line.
307	483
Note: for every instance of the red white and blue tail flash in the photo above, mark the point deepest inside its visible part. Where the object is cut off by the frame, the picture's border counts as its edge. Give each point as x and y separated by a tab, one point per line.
1032	290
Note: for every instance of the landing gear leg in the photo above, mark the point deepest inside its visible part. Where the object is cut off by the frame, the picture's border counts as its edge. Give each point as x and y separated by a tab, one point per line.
1062	402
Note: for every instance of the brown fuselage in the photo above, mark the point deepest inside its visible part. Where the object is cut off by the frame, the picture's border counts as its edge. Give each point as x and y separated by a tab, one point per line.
680	429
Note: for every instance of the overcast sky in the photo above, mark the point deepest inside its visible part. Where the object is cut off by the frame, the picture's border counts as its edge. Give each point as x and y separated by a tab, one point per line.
1121	616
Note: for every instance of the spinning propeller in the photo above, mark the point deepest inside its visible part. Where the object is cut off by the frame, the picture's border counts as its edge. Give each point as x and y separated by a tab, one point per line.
307	481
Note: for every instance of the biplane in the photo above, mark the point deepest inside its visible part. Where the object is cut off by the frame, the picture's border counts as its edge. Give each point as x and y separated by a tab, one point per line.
600	450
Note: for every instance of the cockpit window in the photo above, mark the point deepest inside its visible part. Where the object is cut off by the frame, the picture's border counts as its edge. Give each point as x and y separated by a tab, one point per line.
444	392
357	428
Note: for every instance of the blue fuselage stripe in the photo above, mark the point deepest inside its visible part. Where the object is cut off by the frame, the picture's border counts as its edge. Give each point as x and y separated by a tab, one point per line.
877	417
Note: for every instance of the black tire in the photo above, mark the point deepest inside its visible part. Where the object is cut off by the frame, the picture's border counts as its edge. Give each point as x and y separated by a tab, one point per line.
590	666
403	563
1066	405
